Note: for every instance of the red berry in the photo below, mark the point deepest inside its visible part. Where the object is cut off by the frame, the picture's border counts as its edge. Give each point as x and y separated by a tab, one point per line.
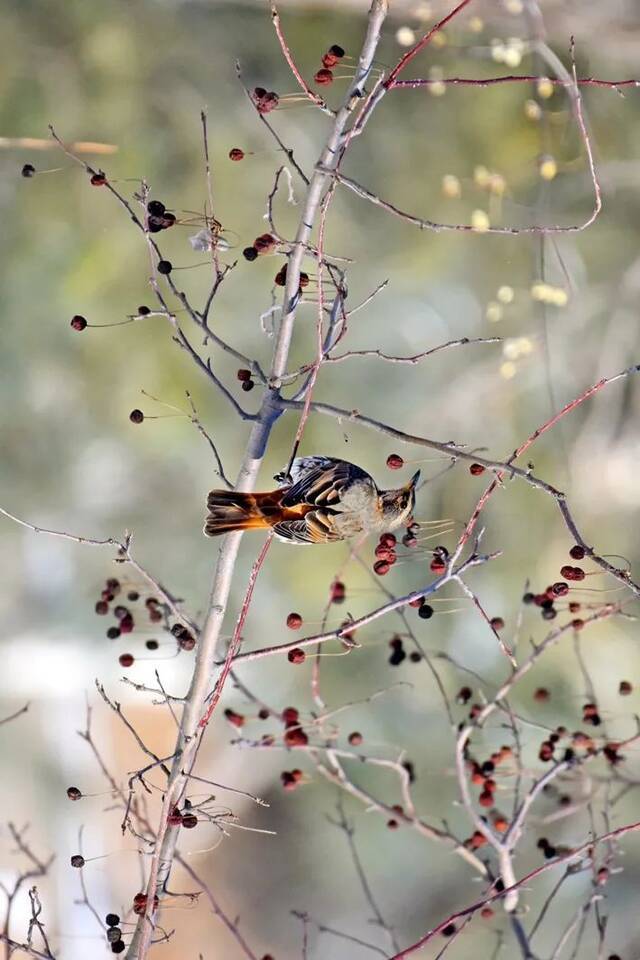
297	655
625	688
243	375
323	77
395	461
237	719
355	738
265	243
74	793
294	621
78	322
497	623
577	552
98	180
102	607
541	695
236	154
125	660
381	567
476	469
437	565
338	592
290	716
295	737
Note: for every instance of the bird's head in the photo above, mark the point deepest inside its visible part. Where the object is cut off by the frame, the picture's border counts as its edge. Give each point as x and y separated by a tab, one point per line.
397	505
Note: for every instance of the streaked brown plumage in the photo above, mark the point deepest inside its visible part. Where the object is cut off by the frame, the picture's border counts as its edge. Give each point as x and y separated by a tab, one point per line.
324	500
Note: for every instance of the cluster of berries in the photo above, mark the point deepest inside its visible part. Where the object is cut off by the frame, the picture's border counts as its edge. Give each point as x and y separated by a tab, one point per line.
265	100
124	618
425	610
265	243
246	381
410	539
114	933
186	640
331	59
158	217
398	653
294	735
140	903
482	776
290	779
385	553
556	591
183	818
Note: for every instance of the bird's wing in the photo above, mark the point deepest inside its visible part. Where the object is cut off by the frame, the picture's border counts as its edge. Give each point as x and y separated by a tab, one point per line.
314	528
322	481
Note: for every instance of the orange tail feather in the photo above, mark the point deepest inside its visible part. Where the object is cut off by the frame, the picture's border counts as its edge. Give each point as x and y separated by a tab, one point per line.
229	510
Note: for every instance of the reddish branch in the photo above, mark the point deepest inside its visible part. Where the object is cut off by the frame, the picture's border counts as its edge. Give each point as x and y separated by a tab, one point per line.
587	847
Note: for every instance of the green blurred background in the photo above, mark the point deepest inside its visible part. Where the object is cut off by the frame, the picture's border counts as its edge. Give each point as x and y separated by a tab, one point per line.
137	75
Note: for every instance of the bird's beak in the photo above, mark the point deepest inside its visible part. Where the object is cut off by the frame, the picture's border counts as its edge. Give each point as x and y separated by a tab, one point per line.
414	480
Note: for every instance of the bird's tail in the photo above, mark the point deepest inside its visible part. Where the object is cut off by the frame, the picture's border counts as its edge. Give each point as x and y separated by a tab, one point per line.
230	510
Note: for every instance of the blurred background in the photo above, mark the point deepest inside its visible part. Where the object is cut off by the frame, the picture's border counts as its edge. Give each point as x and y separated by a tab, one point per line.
136	75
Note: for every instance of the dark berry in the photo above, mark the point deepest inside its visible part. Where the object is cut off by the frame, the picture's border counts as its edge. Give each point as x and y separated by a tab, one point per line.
74	793
78	322
152	644
425	611
165	267
112	919
250	254
113	633
28	170
77	861
156	208
143	311
102	607
577	552
136	416
337	51
114	933
98	180
248	385
118	946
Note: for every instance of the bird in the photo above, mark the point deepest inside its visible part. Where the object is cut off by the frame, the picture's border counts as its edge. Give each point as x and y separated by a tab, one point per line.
319	500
